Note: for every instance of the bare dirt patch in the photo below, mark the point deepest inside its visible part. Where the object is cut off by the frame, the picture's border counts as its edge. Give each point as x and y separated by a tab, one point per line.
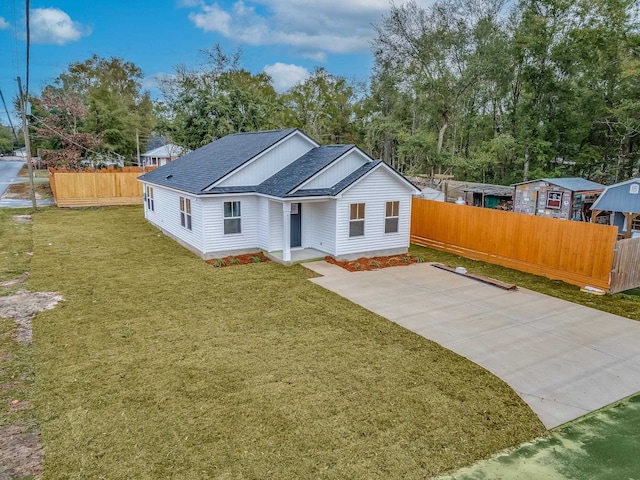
22	306
21	191
374	263
21	453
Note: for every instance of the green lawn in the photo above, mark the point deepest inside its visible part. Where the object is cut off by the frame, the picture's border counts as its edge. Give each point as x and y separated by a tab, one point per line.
158	365
16	363
603	445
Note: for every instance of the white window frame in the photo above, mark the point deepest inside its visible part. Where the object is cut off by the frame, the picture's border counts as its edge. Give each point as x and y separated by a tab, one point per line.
557	197
392	217
234	217
356	218
149	198
185	213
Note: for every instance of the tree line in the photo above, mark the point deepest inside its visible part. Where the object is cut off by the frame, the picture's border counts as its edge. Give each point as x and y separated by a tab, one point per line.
487	90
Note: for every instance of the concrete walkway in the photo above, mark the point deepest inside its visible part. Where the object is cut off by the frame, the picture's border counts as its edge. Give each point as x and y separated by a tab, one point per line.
563	359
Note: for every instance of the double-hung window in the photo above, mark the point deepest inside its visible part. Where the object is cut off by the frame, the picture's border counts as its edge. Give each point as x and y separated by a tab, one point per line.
391	217
185	213
232	215
149	197
356	220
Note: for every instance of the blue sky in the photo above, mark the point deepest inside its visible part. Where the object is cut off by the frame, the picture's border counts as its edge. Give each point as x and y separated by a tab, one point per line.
285	38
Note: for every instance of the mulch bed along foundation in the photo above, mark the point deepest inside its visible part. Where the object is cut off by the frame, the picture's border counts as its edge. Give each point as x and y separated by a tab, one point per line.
375	263
238	260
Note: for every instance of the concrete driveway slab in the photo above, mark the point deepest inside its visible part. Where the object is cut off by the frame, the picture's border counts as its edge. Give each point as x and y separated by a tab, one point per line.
563	359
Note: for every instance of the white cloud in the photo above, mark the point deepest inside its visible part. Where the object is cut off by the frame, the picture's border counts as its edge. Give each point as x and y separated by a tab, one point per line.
286	75
52	25
311	27
4	25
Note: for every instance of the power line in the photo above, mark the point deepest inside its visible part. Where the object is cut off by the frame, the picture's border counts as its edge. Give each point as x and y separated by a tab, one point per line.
8	116
63	136
26	89
15	37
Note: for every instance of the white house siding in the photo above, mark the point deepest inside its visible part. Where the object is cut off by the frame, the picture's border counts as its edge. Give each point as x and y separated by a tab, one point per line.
219	244
263	223
275	226
374	191
166	216
336	172
319	225
264	166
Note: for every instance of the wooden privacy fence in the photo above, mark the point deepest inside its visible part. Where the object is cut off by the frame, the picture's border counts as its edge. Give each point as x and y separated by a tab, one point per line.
625	273
97	188
575	252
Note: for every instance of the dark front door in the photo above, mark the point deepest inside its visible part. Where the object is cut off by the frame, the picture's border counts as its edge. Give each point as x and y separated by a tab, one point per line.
296	225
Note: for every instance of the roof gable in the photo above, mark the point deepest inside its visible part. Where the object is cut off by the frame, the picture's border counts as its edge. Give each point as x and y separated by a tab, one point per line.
200	168
305	167
348	182
618	198
352	179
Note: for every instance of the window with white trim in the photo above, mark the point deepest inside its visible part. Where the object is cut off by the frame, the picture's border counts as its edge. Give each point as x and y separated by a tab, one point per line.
149	198
356	220
554	200
185	213
391	217
232	218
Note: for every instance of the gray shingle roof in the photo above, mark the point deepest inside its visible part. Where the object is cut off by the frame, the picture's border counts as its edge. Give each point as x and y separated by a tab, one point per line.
341	185
199	169
294	174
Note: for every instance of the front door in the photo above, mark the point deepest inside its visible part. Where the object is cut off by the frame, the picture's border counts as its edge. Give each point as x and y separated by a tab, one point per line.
296	225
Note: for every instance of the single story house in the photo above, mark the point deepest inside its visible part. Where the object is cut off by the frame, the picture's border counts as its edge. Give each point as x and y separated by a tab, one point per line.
622	200
280	192
565	198
162	155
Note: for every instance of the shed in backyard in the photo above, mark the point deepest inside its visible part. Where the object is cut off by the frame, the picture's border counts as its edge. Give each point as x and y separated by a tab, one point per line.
622	201
564	198
489	196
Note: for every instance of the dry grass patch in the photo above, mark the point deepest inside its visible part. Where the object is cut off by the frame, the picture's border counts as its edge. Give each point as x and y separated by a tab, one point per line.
159	366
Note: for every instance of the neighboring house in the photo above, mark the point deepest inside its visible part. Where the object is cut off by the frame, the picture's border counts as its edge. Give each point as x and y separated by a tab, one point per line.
162	155
622	200
279	191
20	152
566	198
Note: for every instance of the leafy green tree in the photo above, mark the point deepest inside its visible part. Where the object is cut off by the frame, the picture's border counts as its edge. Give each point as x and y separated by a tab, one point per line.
6	139
217	99
323	106
95	106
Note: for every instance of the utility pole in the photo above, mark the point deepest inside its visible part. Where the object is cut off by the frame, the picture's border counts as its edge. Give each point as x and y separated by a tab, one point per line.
27	144
138	149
